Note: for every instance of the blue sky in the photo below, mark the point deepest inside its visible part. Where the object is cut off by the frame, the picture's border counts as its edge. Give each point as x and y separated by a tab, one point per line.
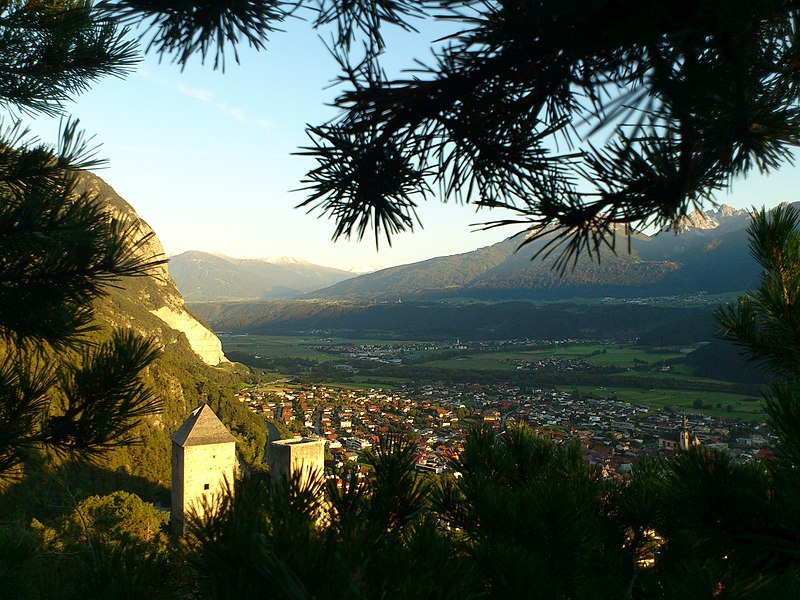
205	157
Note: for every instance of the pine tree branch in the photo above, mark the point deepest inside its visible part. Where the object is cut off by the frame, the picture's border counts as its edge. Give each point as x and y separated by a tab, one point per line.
49	52
200	27
708	95
58	249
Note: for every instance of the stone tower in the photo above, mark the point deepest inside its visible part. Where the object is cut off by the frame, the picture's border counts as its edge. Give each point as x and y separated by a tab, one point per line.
305	454
203	458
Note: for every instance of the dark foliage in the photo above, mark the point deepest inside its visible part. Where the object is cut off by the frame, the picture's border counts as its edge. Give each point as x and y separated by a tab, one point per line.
50	51
475	321
185	29
532	512
659	104
60	251
692	95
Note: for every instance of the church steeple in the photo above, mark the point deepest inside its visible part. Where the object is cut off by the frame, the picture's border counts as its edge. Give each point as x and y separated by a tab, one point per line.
684	439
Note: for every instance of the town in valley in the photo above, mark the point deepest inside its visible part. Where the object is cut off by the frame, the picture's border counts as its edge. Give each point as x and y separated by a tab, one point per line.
612	434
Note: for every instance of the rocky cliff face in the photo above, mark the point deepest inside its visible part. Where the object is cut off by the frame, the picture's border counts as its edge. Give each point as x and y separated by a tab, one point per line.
202	340
697	220
724	216
152	305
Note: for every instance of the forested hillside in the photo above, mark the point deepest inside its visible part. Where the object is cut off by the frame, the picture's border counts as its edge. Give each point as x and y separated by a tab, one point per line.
179	377
80	528
663	325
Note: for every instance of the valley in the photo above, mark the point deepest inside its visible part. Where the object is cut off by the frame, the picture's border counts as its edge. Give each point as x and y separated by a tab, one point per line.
632	324
616	401
660	378
557	414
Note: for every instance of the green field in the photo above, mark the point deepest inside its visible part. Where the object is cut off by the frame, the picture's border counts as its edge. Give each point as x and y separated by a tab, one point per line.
602	355
622	356
275	346
296	347
289	346
744	407
677	388
676	375
475	362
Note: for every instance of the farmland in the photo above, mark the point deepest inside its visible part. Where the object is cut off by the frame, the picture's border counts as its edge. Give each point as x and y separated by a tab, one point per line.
658	377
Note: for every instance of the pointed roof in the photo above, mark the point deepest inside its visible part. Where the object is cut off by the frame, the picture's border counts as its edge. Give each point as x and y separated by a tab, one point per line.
202	427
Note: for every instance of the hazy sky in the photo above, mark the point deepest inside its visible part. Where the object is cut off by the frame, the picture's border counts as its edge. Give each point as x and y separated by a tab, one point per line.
205	157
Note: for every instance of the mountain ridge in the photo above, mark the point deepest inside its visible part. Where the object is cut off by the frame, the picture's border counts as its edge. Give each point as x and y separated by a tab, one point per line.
155	294
204	276
707	252
191	368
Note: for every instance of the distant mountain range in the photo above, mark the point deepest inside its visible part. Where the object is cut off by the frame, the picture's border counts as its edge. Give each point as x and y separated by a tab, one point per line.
204	277
708	252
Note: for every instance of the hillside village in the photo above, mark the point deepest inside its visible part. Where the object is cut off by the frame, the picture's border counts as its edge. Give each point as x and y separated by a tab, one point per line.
612	434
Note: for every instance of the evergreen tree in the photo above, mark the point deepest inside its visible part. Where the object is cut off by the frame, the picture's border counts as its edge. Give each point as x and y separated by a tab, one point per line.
532	517
373	537
661	104
63	387
728	530
766	322
59	390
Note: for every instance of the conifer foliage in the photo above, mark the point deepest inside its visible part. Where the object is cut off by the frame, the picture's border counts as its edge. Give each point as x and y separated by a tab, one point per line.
64	386
659	104
766	322
50	51
570	114
60	388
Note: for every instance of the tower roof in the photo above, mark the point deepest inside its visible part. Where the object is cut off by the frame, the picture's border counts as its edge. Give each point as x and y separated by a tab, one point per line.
202	427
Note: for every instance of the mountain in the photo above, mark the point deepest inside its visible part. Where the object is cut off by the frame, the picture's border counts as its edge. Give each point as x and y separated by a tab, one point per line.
203	277
707	252
152	305
191	369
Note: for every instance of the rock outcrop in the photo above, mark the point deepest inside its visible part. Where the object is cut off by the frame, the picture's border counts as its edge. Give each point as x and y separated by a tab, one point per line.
152	305
204	343
724	216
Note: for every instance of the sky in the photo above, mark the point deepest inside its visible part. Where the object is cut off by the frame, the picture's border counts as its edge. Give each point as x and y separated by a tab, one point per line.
206	157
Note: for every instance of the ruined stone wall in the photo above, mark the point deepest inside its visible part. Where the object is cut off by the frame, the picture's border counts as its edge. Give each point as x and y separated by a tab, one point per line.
289	456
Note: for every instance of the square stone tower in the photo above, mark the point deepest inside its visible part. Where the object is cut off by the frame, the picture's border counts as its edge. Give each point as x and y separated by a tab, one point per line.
203	458
305	454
